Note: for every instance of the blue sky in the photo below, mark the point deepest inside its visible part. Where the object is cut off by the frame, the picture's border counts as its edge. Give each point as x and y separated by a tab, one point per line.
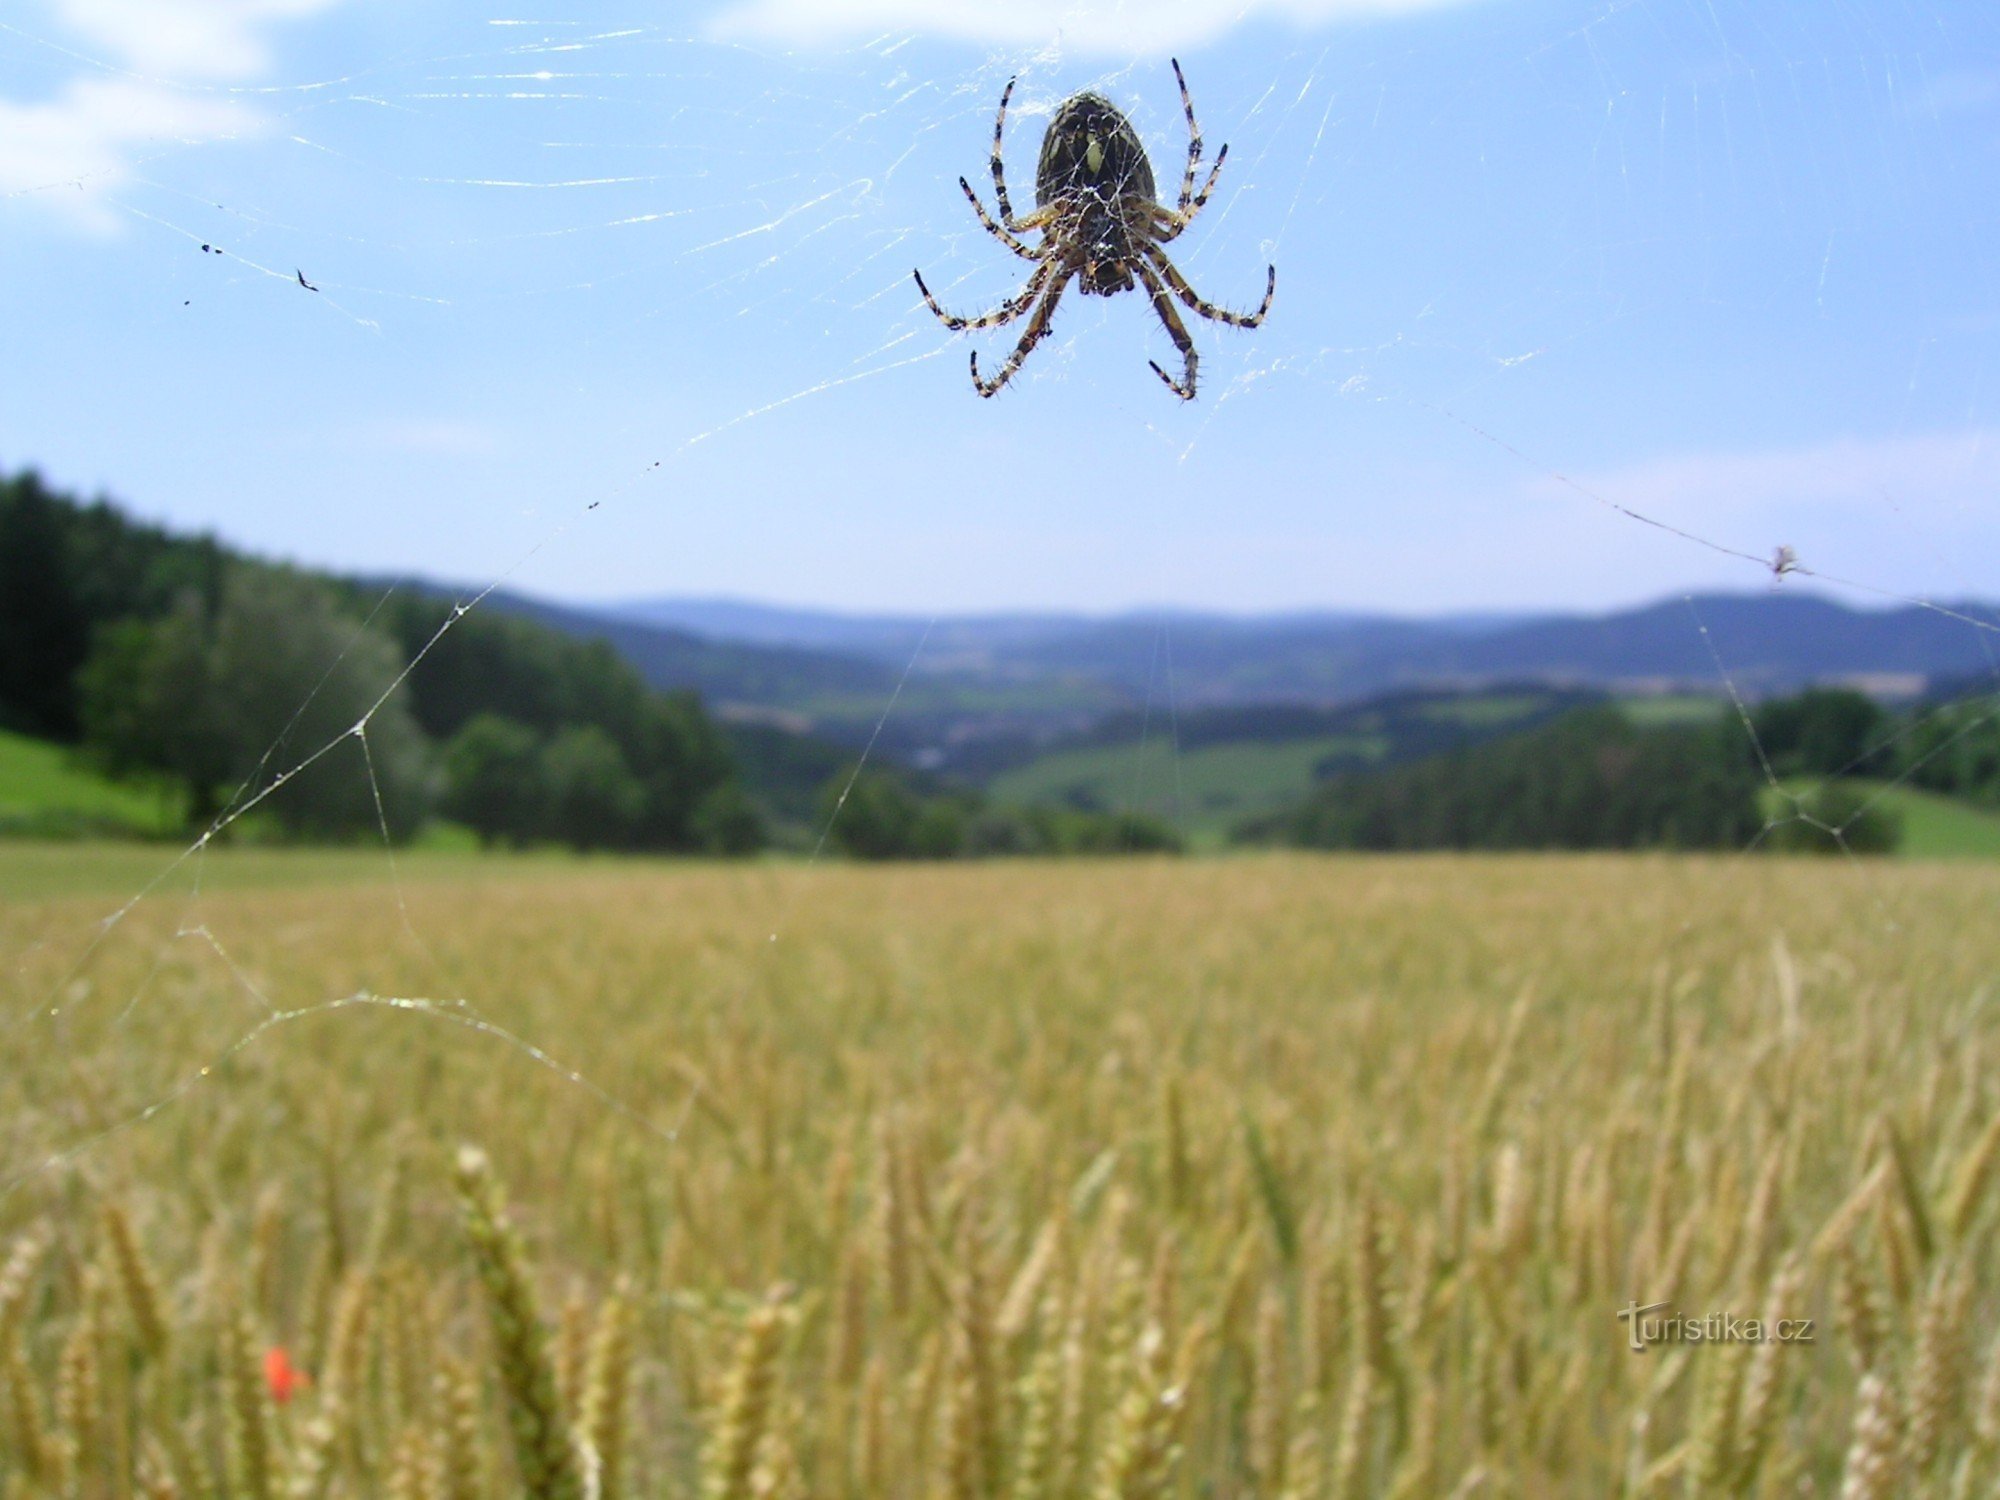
620	305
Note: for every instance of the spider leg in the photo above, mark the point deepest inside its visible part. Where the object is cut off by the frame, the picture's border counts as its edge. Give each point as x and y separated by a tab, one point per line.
1175	220
1000	172
986	222
1163	304
1006	312
1171	275
1033	334
1194	137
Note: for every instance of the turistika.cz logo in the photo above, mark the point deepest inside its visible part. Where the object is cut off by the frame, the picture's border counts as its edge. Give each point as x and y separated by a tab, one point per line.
1653	1324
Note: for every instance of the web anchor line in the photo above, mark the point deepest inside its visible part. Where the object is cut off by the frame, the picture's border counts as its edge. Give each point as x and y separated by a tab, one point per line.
451	1012
1783	561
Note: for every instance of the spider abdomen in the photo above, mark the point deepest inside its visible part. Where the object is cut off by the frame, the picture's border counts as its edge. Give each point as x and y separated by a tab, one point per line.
1095	174
1091	148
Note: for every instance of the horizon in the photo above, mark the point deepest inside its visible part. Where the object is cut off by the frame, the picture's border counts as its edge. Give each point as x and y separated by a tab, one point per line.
1146	611
1810	588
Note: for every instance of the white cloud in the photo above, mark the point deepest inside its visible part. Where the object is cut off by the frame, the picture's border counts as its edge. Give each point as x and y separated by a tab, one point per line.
1911	514
439	437
1120	27
1929	475
165	68
70	150
183	39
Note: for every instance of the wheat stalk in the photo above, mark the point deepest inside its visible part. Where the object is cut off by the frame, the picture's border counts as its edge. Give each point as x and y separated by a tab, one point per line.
745	1410
543	1451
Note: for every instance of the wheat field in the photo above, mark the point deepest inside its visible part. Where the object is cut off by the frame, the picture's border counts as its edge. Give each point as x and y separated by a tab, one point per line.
1276	1177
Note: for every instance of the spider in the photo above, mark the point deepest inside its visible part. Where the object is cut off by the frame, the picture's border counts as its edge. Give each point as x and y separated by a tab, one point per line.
1101	222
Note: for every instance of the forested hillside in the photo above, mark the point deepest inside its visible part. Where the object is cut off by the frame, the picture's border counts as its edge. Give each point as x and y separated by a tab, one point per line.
174	660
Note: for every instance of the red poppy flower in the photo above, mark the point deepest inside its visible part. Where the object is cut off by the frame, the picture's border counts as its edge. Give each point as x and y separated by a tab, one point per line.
283	1377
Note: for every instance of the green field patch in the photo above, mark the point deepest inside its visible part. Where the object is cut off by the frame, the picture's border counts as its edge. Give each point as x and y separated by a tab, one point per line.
1660	710
44	791
1203	792
1486	710
1940	827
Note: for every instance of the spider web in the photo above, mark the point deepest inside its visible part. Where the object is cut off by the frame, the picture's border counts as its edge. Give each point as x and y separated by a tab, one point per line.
689	252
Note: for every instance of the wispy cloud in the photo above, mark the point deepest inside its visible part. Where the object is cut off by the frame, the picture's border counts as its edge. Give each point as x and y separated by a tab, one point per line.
69	152
1116	26
1908	514
1932	475
153	74
183	39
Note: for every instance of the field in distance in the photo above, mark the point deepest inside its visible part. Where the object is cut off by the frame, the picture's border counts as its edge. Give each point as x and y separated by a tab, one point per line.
1271	1176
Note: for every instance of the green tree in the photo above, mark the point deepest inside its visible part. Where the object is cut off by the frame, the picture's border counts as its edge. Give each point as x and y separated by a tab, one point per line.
1588	780
1835	818
593	799
548	682
494	781
726	821
882	818
68	571
150	707
1111	833
275	700
1955	748
1824	732
685	774
44	636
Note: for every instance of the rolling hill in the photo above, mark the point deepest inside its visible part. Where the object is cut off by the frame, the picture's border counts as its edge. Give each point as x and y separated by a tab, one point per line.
1768	642
1212	769
982	693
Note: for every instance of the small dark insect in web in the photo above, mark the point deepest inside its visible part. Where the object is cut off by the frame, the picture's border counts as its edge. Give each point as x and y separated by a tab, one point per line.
1102	223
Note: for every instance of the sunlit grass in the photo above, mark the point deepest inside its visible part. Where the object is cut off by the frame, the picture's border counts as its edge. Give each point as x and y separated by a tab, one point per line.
41	784
39	870
1940	827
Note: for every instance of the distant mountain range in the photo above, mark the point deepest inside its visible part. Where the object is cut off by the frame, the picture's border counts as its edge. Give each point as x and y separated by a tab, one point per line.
724	668
983	689
973	642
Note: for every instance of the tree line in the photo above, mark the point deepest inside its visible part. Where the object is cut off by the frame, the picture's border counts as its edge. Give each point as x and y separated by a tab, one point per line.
1781	775
880	815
